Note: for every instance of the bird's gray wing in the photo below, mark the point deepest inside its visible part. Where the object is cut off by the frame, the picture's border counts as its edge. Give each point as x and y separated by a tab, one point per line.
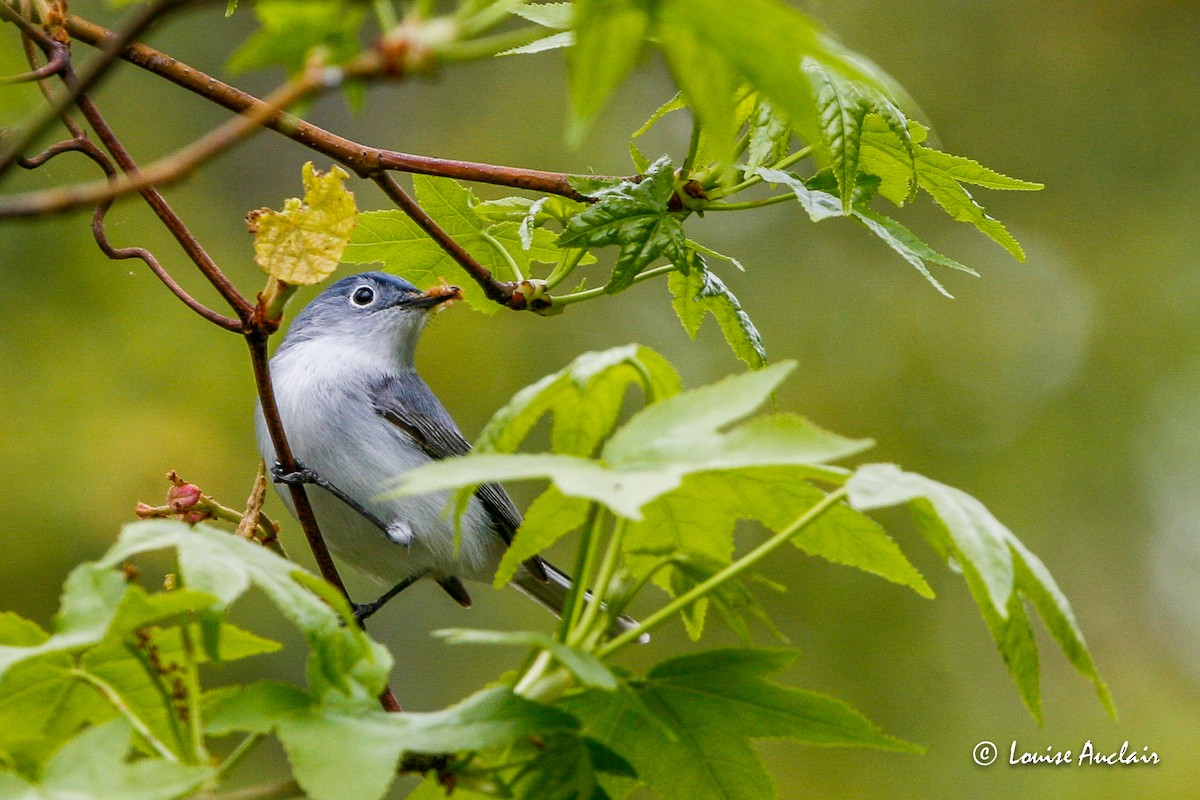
408	403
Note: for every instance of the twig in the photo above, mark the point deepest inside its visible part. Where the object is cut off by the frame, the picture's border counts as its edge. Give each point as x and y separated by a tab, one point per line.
256	340
173	223
166	170
499	291
19	138
359	157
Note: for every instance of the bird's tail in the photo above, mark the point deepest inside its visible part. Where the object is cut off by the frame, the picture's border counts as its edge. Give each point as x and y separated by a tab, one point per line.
552	593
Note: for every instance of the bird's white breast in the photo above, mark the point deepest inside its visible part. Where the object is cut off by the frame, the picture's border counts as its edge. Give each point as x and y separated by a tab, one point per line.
322	392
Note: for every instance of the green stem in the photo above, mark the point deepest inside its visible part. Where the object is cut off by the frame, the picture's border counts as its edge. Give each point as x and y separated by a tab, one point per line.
588	294
769	201
477	49
245	748
192	696
754	180
114	697
693	147
517	275
571	605
566	265
733	570
158	681
534	673
490	16
600	587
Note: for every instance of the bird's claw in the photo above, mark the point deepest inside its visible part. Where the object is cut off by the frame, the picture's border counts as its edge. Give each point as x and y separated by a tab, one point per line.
300	476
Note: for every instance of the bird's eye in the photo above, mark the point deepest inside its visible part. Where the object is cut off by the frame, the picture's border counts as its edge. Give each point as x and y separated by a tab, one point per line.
363	296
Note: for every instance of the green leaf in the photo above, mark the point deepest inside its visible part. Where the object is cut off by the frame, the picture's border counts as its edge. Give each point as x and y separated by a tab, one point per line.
941	175
549	518
968	528
1036	584
91	596
42	706
566	768
489	719
17	631
529	213
93	765
715	703
584	397
841	109
699	292
636	217
843	105
819	205
608	41
291	29
763	43
884	155
555	41
703	75
998	568
559	16
587	668
935	176
658	446
906	243
770	137
686	424
343	658
394	239
674	104
367	740
697	521
732	598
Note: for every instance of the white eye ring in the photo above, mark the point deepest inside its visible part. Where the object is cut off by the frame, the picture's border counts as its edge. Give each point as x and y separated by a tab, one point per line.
362	296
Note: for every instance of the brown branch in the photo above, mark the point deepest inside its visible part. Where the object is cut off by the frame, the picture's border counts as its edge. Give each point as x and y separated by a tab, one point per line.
173	223
499	291
166	170
361	158
255	328
80	143
256	340
58	60
19	138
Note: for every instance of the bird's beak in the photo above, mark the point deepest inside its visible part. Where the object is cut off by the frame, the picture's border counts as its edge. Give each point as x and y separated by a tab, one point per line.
435	297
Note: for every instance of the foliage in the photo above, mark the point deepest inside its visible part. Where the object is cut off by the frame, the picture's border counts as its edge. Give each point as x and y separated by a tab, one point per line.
119	652
121	697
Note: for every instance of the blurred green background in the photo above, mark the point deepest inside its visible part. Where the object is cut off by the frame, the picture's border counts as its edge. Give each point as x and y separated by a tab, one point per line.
1064	392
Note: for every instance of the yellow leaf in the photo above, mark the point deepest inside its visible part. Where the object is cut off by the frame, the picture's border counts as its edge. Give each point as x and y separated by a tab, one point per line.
303	244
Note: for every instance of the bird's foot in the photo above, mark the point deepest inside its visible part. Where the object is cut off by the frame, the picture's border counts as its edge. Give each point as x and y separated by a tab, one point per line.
300	476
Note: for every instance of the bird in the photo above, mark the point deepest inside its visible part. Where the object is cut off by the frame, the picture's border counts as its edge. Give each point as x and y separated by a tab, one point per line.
357	416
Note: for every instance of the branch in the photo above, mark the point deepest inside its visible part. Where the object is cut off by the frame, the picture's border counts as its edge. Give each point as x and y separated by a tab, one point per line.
167	169
173	223
360	158
19	138
499	291
257	342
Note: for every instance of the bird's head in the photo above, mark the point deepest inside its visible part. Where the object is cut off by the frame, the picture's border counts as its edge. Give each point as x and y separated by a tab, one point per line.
372	312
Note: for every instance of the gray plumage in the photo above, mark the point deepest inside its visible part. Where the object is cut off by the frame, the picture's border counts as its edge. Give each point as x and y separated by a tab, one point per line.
357	414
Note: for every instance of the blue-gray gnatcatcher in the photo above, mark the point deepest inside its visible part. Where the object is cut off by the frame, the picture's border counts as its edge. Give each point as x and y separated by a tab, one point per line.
357	415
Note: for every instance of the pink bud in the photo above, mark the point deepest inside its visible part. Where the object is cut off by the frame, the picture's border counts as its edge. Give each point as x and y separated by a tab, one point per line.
197	515
182	496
